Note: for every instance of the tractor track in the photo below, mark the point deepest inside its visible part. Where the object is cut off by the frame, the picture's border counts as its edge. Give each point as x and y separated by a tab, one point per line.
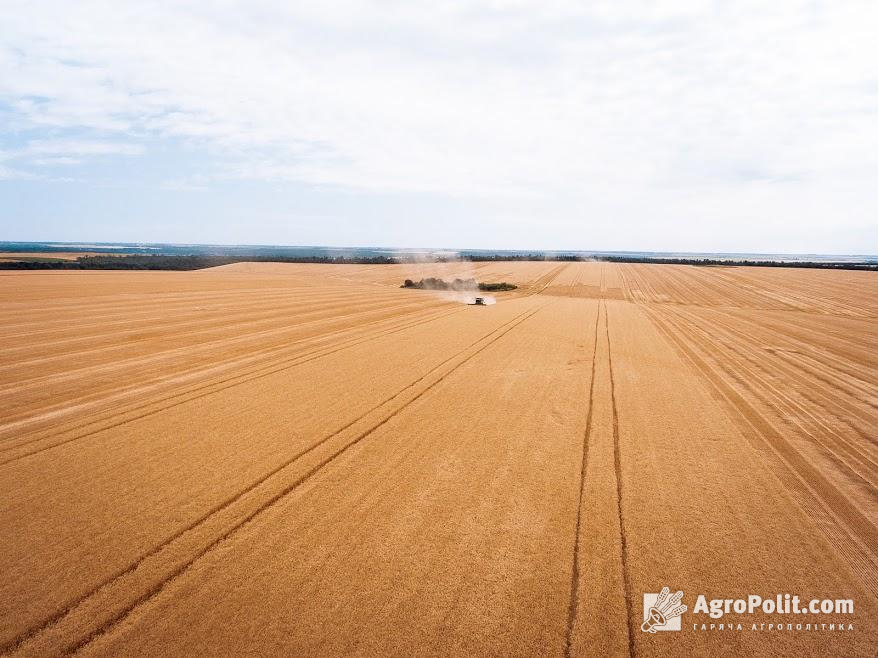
771	394
158	311
24	643
197	392
175	352
269	351
56	319
256	315
616	493
617	464
840	521
853	535
573	605
855	381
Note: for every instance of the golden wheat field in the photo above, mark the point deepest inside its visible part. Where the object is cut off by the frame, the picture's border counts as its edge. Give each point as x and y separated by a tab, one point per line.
307	460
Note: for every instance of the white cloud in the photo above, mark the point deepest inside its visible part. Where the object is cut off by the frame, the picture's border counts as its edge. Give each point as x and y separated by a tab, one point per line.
7	174
66	152
197	183
78	147
611	107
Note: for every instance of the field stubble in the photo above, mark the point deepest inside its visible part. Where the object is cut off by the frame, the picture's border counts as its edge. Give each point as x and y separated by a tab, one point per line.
306	459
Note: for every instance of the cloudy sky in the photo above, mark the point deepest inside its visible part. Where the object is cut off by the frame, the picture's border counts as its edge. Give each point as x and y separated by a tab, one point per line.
679	126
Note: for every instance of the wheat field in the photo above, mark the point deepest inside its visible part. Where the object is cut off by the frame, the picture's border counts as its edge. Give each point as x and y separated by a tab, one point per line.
281	459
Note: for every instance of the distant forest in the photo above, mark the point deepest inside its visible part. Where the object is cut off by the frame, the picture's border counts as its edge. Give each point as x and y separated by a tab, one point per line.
150	262
183	262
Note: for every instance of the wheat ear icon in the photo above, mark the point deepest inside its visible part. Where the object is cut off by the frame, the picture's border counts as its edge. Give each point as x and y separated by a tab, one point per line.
664	609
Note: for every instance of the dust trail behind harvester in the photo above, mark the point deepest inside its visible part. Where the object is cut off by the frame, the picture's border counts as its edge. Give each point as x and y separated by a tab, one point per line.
465	297
456	270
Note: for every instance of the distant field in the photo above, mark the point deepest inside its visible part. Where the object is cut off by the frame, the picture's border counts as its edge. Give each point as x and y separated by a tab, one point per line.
48	256
293	459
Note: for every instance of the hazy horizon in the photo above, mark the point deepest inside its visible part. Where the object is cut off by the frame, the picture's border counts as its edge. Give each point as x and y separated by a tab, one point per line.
98	245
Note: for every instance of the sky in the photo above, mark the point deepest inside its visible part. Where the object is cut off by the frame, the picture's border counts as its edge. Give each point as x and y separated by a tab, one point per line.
620	125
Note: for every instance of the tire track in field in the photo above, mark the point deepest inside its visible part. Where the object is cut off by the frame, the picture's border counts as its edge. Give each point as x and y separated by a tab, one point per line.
147	305
101	601
626	285
853	380
815	369
617	464
801	298
773	299
645	288
172	353
276	337
773	396
775	399
76	329
199	391
135	314
806	361
276	345
853	535
822	334
543	282
264	352
573	603
737	342
172	326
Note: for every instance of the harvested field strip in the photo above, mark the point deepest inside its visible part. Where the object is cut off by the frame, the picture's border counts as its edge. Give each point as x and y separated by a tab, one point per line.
470	496
818	394
168	321
853	358
690	287
744	369
151	296
853	534
127	342
812	369
305	460
802	361
122	415
160	379
543	282
849	388
382	325
215	338
640	287
45	390
679	286
707	346
796	287
148	447
188	349
857	361
151	307
81	621
173	289
695	284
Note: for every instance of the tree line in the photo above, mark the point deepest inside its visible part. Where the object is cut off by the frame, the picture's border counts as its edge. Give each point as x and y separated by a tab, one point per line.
183	262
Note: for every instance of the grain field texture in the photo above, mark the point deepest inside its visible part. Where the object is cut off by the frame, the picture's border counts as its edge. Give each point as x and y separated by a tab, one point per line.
285	459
